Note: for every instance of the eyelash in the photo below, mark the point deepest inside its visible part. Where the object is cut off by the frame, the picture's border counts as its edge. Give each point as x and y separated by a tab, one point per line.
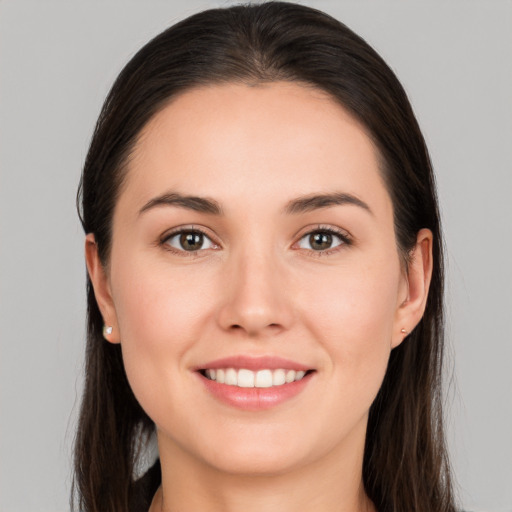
343	236
345	239
180	231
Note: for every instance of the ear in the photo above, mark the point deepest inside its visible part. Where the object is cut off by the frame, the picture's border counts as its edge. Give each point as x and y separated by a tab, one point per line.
414	292
101	285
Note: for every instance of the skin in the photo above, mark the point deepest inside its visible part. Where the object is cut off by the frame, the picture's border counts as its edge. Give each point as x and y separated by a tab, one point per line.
258	289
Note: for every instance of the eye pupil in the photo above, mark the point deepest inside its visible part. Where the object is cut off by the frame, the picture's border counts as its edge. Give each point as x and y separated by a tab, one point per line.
320	241
191	241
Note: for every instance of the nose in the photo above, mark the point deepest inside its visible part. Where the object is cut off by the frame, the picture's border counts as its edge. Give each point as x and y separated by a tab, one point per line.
256	298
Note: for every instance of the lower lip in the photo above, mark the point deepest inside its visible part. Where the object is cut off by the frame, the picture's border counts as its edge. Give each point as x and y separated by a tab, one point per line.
255	399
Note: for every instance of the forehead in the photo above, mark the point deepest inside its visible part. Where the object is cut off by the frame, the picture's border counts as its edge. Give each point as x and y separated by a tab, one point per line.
235	141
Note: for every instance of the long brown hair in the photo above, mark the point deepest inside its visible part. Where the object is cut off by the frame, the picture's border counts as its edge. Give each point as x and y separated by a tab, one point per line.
405	465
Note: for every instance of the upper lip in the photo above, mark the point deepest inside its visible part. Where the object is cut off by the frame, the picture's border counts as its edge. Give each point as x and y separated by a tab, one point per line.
254	363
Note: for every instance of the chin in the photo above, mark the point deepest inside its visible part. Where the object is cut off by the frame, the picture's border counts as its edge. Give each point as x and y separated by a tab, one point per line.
260	462
261	451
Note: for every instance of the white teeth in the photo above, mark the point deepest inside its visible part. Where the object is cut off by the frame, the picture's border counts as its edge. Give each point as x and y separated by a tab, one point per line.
278	377
245	379
290	376
263	379
231	377
248	379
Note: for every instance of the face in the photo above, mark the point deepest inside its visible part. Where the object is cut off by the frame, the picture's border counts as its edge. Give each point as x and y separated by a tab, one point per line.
254	283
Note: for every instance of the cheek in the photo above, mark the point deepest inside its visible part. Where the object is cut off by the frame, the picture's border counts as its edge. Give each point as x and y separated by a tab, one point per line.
354	301
159	306
161	315
351	313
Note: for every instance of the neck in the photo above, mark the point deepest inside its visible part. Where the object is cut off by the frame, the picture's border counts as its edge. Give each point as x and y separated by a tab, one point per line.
333	484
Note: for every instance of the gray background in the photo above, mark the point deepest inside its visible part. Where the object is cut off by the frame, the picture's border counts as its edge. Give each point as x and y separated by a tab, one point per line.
57	60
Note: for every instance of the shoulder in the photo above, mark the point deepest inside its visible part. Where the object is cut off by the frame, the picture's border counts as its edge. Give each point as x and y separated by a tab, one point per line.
144	489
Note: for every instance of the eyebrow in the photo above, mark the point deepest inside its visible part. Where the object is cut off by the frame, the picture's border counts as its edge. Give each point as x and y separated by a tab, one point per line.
317	201
295	206
197	204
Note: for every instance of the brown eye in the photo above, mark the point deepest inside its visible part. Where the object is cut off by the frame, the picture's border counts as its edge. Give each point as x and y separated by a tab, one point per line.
189	241
192	241
322	240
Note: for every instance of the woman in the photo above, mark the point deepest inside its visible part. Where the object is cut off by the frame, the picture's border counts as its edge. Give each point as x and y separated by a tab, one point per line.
265	277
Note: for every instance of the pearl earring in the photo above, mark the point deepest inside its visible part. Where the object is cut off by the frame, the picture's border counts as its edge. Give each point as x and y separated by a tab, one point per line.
107	330
403	331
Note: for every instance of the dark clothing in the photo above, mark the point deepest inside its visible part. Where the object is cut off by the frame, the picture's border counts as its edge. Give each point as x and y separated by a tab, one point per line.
145	487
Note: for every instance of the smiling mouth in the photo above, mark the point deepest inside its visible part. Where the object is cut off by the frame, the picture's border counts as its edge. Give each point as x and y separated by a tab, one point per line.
244	378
